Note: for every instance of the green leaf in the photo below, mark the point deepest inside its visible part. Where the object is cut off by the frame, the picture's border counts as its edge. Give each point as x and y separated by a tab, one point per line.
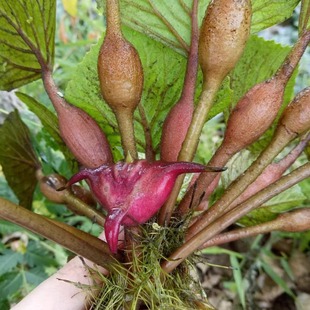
4	304
8	260
48	118
259	61
304	22
222	100
238	279
267	13
286	266
35	276
27	31
215	250
276	278
8	227
49	121
257	217
18	161
288	200
161	19
10	283
38	256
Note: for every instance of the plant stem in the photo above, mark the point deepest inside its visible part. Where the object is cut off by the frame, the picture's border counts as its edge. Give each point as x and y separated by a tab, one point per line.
113	17
52	90
77	241
189	147
281	138
304	16
291	61
277	224
272	172
149	151
188	93
190	143
232	216
242	233
192	196
126	128
79	207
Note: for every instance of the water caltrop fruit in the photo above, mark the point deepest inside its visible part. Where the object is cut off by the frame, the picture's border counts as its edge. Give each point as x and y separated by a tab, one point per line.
133	192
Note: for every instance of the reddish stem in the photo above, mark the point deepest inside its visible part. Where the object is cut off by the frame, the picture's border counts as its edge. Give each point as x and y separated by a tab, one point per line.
295	221
187	96
188	91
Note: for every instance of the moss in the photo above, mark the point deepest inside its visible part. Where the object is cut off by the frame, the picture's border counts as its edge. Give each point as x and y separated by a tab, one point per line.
141	284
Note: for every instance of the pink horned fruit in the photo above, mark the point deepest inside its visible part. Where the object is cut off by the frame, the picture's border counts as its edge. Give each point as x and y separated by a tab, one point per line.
132	192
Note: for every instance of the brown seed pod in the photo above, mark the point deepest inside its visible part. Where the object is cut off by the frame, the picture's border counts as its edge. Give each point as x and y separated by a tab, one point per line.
83	136
49	185
120	73
223	34
257	109
80	132
296	116
253	115
120	76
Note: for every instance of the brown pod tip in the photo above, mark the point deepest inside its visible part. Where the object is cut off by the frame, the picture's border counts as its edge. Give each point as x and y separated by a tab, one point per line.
119	66
223	35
